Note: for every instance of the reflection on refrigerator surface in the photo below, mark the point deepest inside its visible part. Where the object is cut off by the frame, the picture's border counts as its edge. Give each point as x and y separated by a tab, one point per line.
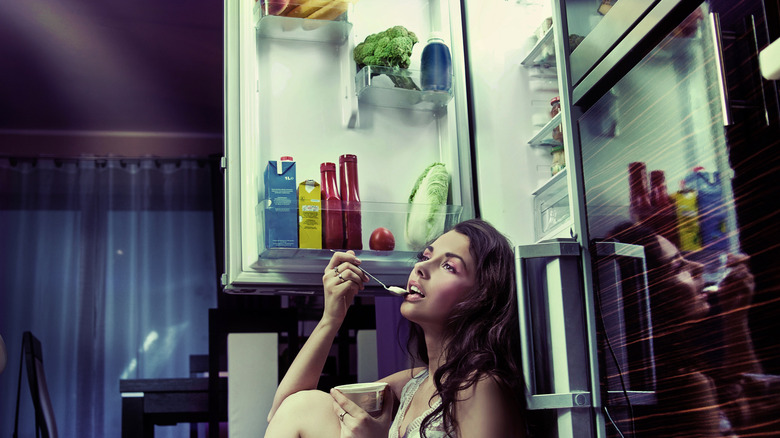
658	178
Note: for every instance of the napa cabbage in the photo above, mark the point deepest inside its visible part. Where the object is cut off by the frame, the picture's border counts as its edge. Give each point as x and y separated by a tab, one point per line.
428	206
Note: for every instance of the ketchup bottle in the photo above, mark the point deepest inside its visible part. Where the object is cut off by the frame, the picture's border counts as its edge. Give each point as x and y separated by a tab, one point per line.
639	193
332	221
350	201
664	217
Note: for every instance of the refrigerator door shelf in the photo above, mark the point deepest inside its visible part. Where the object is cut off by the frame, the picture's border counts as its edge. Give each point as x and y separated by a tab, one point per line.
607	52
393	216
543	52
552	214
544	136
602	37
303	29
377	86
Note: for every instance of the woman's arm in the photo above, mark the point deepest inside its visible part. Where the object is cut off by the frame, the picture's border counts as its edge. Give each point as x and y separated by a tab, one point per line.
342	280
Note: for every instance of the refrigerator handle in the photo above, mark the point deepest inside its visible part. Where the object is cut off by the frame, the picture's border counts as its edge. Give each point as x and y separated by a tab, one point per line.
526	347
717	42
559	398
765	56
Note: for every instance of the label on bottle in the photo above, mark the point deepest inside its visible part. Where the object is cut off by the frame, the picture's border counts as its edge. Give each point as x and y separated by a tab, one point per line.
687	220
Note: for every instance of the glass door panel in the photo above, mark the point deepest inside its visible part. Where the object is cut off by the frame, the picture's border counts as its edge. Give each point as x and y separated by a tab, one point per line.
657	176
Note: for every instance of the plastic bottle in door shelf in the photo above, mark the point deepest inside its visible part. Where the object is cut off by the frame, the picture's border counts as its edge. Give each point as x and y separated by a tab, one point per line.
436	65
664	216
555	108
350	201
332	220
639	195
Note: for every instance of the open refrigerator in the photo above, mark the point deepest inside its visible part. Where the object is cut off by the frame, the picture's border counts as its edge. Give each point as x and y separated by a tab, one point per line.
554	181
293	89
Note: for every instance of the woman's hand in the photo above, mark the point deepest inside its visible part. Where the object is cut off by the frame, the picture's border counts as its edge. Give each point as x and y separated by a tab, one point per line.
357	423
342	280
735	291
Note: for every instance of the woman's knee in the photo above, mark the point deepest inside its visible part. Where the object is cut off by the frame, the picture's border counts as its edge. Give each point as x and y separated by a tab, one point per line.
304	401
308	413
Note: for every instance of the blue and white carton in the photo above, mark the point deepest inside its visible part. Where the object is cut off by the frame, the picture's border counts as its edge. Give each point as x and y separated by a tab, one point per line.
281	210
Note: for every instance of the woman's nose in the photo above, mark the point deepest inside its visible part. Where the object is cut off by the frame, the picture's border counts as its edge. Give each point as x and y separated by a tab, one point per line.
421	268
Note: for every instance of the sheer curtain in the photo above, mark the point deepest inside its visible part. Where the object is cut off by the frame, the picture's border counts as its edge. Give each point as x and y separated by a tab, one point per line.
111	264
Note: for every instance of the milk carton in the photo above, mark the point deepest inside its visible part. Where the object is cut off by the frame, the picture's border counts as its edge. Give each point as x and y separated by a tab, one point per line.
281	212
309	215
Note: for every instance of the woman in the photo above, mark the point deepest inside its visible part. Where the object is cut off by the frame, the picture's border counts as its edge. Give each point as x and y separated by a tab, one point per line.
702	342
463	314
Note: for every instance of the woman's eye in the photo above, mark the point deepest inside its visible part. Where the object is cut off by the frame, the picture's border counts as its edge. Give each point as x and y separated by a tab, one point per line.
421	257
677	266
449	267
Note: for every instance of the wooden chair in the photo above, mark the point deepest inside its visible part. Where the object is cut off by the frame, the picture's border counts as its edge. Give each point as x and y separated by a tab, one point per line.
32	355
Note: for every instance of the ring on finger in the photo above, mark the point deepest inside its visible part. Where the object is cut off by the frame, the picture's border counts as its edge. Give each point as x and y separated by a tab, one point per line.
341	278
336	269
341	416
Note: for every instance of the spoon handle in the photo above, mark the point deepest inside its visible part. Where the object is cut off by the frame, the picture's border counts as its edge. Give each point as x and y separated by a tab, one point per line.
395	292
375	279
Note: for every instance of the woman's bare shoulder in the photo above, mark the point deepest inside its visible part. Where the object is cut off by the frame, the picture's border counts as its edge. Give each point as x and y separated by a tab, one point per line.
486	408
398	380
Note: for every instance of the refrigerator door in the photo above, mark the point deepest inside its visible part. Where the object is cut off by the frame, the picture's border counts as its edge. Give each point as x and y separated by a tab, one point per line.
657	173
293	89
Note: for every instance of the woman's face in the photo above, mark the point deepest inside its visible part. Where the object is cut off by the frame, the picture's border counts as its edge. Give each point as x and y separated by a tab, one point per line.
681	282
440	279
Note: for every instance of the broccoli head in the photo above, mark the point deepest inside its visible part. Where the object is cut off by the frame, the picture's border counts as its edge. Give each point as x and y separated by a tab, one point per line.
390	48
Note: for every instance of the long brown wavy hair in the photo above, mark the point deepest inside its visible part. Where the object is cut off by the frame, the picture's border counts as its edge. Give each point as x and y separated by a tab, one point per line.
482	333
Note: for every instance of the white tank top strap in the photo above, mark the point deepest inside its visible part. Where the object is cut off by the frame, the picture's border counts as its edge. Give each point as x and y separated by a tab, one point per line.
435	428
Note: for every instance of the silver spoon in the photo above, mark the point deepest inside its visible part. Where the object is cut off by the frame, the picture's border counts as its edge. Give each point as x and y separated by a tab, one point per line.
392	289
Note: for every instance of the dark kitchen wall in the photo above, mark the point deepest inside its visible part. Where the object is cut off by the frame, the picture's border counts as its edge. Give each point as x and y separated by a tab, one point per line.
102	77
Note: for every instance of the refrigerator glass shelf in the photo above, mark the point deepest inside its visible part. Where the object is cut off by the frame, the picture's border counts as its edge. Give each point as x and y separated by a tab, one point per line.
551	182
543	52
544	136
392	216
376	86
303	29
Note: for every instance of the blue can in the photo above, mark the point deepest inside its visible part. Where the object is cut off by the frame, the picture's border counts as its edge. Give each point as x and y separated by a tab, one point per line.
436	65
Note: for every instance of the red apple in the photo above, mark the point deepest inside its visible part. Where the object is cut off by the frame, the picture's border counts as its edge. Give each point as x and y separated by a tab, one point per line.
381	240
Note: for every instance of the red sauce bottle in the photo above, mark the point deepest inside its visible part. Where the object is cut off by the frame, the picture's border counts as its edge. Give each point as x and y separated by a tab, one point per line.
332	220
350	201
